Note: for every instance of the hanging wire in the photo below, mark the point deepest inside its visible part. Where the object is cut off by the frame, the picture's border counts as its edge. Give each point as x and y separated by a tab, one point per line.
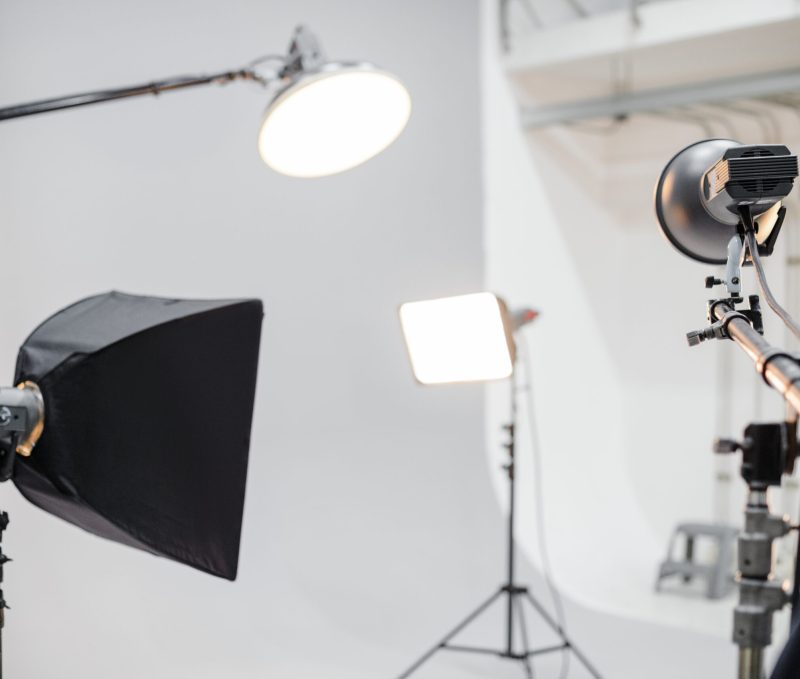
600	128
536	454
533	15
718	117
578	8
682	116
767	129
762	107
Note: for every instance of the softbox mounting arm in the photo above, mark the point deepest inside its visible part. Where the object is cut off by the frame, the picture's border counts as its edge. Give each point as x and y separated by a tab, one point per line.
21	424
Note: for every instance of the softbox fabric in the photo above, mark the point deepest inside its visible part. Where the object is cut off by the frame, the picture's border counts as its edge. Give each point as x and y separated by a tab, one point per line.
148	408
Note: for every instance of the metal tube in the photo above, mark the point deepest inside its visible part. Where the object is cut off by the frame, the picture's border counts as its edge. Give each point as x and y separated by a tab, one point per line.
780	371
98	96
512	474
751	663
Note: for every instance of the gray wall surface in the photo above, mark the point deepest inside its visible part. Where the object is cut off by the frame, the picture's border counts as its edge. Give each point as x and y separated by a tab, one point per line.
365	491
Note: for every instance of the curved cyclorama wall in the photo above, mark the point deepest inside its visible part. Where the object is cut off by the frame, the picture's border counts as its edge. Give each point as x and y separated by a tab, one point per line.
626	412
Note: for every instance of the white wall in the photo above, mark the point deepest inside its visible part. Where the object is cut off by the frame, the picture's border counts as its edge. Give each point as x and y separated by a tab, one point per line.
365	492
626	411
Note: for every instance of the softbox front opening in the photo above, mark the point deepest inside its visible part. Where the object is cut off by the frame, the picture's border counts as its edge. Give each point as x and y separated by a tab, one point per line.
148	410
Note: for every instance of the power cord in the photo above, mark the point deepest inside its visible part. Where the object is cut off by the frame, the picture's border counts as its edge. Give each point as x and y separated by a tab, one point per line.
752	246
536	449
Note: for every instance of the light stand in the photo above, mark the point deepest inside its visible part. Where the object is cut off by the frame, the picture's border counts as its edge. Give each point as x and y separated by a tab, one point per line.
515	595
721	202
768	451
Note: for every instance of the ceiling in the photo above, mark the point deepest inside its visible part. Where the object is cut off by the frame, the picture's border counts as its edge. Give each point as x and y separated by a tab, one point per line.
548	13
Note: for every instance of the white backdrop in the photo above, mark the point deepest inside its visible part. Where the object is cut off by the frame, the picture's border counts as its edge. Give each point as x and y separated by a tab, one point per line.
352	516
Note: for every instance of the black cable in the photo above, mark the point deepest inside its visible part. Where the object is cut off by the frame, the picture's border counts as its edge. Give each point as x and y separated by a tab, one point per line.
536	449
752	246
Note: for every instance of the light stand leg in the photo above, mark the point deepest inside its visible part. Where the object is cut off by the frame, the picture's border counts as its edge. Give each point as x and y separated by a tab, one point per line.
443	643
567	643
523	630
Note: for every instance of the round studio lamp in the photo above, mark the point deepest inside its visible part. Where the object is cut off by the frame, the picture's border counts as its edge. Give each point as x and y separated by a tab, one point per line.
702	190
332	118
327	117
324	117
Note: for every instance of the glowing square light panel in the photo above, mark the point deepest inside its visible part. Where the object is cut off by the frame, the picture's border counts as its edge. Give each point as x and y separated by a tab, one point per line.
457	339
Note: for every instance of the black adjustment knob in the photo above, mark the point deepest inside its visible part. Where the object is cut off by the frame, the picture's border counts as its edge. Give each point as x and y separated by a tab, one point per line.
723	446
711	281
695	337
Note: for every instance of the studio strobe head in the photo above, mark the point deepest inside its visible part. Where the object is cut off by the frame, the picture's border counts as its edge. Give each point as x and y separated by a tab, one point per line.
701	190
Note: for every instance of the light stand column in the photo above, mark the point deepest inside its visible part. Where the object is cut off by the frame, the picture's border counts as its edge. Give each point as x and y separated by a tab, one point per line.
510	468
3	560
766	451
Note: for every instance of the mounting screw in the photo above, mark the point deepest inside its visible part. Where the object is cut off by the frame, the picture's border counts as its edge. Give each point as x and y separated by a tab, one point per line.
5	416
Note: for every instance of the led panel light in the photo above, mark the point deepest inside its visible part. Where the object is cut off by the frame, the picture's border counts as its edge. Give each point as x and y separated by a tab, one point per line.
458	339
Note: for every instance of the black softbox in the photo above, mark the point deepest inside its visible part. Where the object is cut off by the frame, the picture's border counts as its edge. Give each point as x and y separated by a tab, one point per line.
148	408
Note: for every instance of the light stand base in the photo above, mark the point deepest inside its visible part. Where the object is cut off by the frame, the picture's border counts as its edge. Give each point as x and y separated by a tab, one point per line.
517	597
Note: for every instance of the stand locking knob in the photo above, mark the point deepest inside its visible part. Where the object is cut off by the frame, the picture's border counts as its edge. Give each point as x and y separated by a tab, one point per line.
723	446
695	337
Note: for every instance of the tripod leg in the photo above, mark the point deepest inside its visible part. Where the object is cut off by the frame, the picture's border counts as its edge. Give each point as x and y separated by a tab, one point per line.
464	623
557	628
523	630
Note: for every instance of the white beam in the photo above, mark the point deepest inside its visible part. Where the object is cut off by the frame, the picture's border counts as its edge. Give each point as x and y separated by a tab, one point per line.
740	87
661	23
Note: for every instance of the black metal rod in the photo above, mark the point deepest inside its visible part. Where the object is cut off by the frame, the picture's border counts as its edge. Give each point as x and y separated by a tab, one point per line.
511	446
779	370
548	649
3	559
523	630
473	649
99	96
795	600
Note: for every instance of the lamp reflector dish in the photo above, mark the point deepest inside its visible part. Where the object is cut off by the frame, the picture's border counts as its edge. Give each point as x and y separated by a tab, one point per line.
683	217
333	119
458	339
